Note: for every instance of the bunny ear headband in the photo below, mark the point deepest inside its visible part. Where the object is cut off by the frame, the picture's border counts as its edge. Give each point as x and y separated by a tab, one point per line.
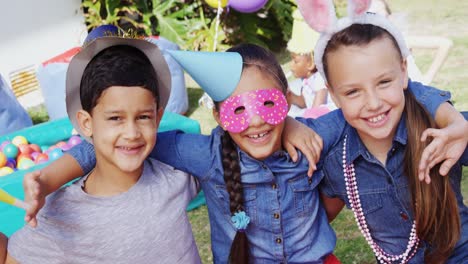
321	16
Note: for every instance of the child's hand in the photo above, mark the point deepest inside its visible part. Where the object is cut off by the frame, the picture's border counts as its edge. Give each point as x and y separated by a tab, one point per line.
34	195
297	135
448	145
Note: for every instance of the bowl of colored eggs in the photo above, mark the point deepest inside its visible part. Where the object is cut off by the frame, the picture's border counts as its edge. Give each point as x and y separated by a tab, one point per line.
19	154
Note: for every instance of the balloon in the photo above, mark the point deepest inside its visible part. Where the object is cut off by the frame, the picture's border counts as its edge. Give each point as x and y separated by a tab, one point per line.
18	140
214	3
25	149
35	147
25	163
4	143
10	151
74	140
41	158
247	6
5	171
54	154
3	160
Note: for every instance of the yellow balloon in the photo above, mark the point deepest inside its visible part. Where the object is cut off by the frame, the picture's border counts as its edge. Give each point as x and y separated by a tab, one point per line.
214	3
5	171
18	140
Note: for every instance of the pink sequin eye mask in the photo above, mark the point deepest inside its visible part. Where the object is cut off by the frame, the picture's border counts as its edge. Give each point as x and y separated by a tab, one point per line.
237	111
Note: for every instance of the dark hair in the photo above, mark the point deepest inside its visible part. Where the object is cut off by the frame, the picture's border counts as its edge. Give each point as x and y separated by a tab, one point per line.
252	56
120	65
434	205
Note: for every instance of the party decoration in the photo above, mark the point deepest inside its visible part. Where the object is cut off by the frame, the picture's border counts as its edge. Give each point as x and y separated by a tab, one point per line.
55	154
218	73
8	199
4	143
5	171
215	3
25	149
3	160
247	6
10	150
74	140
18	140
25	163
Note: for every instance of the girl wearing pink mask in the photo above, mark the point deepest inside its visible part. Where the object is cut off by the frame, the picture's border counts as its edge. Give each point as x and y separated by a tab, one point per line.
262	206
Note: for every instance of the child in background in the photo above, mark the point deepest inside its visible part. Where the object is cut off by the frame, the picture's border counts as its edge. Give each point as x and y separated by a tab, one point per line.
309	98
128	209
362	58
254	191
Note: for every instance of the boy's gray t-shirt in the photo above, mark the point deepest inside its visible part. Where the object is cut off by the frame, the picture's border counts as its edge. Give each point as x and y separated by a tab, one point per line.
146	224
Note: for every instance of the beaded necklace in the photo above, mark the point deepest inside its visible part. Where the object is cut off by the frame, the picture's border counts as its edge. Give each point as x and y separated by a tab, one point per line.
353	197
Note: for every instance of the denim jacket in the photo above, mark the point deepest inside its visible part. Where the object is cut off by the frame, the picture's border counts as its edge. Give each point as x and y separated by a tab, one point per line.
288	223
383	188
287	220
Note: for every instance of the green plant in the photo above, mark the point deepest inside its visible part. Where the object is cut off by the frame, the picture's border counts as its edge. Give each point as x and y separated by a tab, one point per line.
99	12
192	24
38	114
270	27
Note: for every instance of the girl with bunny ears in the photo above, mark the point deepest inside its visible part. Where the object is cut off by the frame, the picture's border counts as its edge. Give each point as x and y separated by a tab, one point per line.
362	59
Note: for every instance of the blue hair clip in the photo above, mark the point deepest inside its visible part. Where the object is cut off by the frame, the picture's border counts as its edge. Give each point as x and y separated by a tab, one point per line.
240	220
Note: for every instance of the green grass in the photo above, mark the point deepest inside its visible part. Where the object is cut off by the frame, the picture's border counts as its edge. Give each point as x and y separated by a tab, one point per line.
428	17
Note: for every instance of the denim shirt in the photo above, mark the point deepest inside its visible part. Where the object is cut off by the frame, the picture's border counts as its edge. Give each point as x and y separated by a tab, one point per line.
288	223
383	188
287	220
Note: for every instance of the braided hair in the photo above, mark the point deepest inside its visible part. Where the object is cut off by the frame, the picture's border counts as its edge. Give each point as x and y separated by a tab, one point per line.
252	56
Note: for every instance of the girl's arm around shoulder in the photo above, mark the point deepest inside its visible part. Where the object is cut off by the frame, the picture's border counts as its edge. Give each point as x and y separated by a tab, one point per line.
431	98
314	136
448	143
192	153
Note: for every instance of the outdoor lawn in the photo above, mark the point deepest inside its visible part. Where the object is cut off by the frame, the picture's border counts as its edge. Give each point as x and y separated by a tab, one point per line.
428	17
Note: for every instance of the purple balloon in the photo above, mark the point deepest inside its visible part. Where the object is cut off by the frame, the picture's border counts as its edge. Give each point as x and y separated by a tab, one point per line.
34	155
247	6
66	147
74	140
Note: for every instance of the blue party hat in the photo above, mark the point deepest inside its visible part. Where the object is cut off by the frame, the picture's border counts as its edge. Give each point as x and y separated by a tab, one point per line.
102	31
217	73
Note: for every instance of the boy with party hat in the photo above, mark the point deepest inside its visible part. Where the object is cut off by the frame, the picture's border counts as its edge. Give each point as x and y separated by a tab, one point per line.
308	94
129	208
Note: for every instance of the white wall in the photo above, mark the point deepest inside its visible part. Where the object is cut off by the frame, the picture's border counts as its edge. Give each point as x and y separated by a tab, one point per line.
32	31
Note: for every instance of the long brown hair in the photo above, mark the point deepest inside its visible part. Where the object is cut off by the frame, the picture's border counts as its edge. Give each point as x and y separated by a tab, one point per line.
434	205
252	56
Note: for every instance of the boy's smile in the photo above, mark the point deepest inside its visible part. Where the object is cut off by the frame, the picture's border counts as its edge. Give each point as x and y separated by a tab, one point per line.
123	127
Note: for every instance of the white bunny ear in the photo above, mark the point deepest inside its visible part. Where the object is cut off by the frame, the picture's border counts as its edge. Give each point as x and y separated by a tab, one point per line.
358	7
319	14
